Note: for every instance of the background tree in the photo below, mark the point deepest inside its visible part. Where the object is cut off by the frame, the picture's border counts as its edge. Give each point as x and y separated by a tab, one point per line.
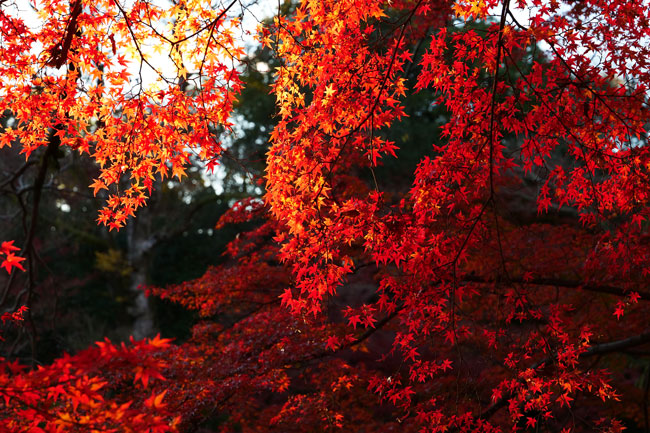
84	278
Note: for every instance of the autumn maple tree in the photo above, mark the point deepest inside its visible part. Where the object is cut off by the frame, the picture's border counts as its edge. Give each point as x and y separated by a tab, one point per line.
498	286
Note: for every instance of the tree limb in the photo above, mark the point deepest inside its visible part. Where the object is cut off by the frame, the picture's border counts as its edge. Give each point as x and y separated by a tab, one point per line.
598	349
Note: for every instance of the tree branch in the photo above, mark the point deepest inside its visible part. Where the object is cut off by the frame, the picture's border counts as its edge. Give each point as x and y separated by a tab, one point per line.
559	282
598	349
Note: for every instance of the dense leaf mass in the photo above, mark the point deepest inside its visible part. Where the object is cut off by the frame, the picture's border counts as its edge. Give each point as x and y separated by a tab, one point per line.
68	73
500	286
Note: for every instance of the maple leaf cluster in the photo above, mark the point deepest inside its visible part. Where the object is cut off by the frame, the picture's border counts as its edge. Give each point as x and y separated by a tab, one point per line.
136	116
10	260
500	287
85	392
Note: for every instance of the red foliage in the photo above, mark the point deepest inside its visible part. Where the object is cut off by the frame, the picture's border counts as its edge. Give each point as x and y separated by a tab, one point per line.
11	260
495	305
